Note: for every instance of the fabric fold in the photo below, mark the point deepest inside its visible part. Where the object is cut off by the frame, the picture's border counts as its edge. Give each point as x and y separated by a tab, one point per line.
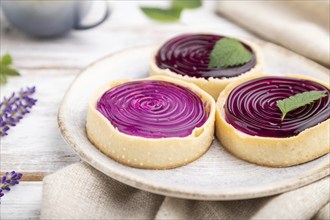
302	26
81	192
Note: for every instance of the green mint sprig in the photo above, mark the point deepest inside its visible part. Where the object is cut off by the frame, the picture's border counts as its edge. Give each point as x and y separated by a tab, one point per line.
5	69
228	52
173	13
186	4
163	15
299	100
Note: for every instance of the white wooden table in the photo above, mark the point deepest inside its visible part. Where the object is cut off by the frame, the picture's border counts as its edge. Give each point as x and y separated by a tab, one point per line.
35	147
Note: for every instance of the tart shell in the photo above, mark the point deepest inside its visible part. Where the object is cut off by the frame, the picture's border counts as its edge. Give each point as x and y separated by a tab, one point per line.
274	152
213	86
150	153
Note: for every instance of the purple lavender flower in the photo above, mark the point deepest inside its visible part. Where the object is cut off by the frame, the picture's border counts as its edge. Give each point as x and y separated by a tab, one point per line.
13	109
9	179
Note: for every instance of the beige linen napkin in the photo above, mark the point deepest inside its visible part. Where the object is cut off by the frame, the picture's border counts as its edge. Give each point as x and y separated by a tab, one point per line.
81	192
302	26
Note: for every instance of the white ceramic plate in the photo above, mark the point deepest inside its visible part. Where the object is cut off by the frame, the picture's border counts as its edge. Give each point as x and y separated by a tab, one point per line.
217	175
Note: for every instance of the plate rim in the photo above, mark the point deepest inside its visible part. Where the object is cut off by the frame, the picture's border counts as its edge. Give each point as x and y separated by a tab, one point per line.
289	184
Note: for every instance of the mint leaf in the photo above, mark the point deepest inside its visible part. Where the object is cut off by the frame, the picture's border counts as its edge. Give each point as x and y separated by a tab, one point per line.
6	59
163	15
8	71
171	14
228	52
186	4
5	69
298	100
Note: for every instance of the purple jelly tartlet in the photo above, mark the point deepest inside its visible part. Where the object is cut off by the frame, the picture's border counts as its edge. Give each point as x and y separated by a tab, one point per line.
187	57
251	107
250	123
153	123
153	109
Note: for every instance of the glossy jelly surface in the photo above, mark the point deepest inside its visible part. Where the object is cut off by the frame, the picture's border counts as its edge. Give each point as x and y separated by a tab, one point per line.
251	107
189	55
153	109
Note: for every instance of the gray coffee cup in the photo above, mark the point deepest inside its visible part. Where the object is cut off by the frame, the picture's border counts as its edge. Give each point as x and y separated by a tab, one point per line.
48	18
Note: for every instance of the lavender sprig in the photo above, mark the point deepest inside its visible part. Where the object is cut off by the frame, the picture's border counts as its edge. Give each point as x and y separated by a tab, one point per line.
13	109
8	180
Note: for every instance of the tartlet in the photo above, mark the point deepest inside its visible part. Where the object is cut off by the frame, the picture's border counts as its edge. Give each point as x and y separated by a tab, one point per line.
186	57
153	123
248	121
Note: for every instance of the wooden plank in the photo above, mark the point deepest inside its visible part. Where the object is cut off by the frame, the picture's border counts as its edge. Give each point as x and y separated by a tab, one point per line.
31	176
80	49
22	202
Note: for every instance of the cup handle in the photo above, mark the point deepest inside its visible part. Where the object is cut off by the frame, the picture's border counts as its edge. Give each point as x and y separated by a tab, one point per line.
80	26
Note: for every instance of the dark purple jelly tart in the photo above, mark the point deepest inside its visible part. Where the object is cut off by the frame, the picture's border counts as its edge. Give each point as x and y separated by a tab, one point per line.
153	109
188	56
250	122
155	123
251	107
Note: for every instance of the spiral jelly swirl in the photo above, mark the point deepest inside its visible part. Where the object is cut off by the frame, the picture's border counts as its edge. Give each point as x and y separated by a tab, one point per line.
251	107
153	109
189	55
